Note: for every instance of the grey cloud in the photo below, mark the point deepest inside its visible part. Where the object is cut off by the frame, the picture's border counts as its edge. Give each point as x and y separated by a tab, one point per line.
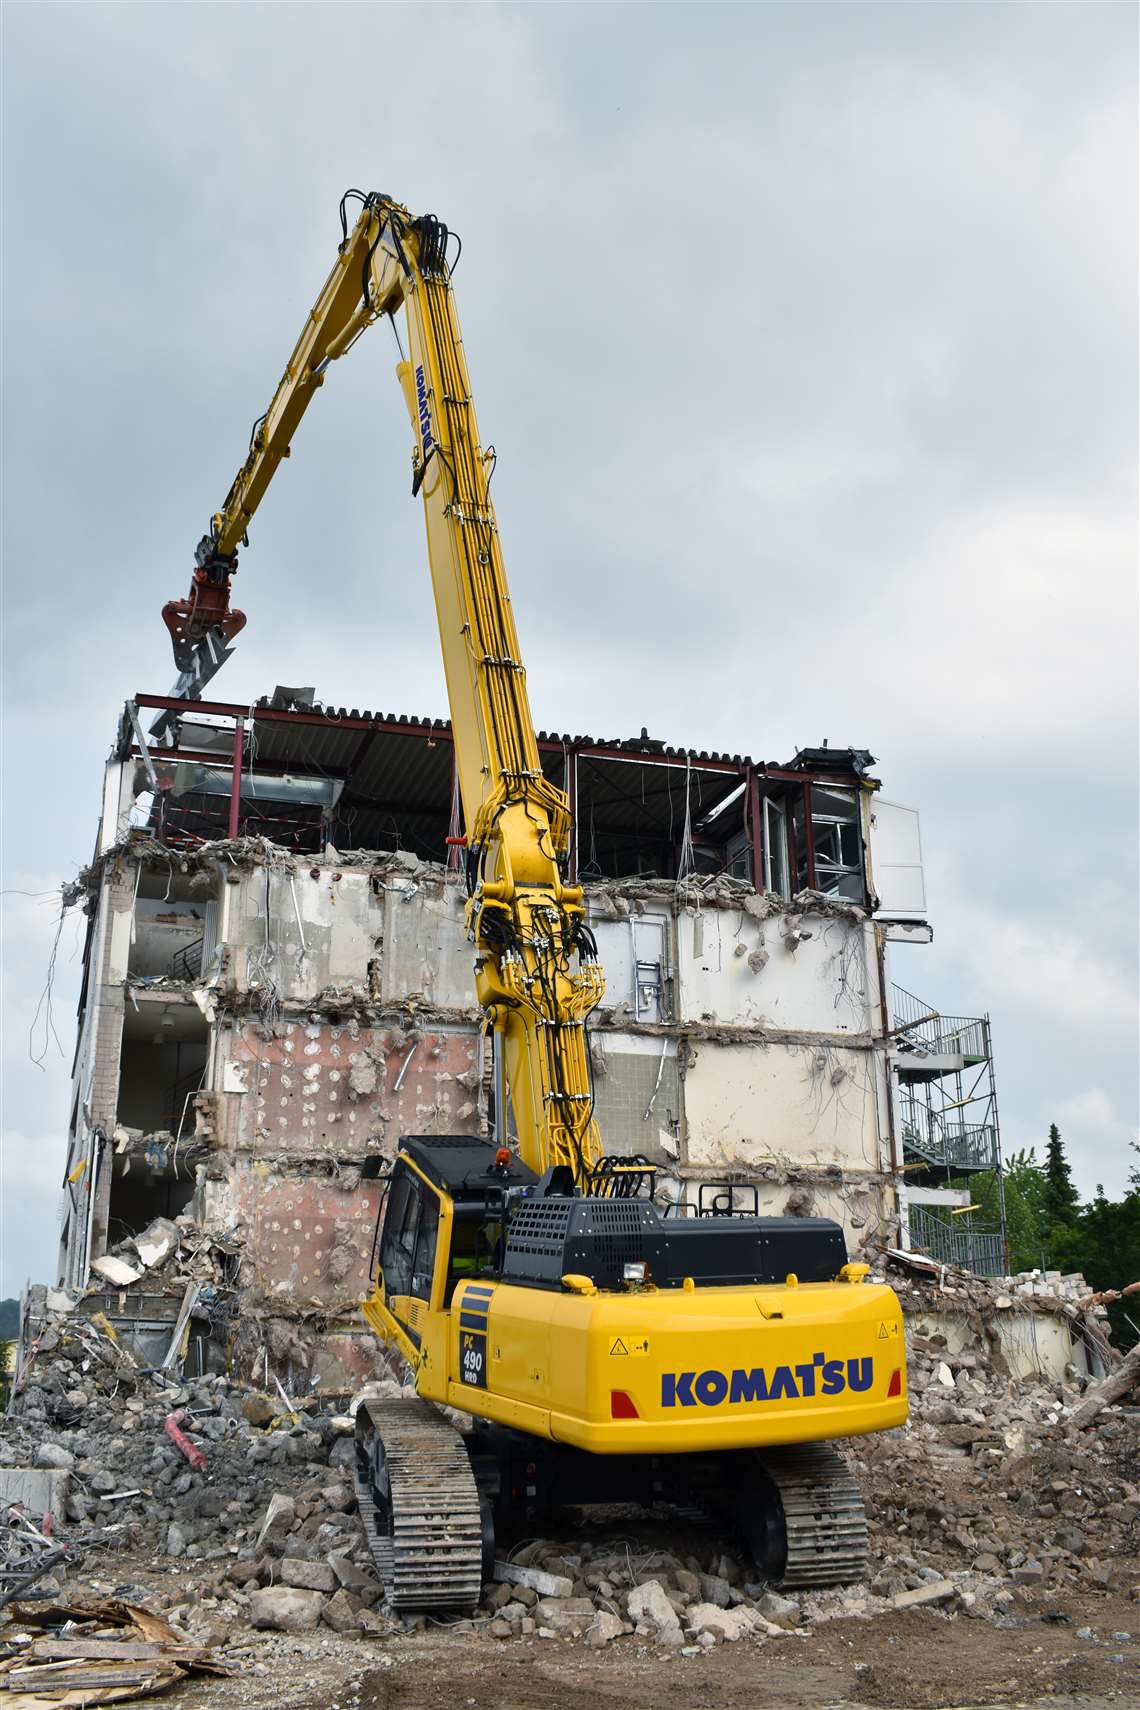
805	335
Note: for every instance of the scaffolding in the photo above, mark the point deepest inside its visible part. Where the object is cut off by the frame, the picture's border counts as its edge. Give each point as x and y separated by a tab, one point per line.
948	1121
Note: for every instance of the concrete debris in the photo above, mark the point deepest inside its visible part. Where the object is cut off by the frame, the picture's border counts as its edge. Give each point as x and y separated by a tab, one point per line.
1004	1488
982	1505
996	1312
285	1609
938	1591
115	1271
545	1584
653	1614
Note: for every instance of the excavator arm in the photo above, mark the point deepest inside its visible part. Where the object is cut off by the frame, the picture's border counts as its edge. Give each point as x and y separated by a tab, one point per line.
536	970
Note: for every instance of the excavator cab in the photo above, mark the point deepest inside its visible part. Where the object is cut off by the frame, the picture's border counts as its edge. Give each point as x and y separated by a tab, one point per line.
441	1223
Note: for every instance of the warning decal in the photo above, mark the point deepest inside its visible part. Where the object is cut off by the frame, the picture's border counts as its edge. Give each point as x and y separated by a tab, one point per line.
619	1347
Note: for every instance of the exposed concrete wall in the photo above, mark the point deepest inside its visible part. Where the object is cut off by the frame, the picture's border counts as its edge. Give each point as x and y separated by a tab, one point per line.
1033	1343
307	1237
380	936
95	1078
340	1015
307	1089
762	973
811	1104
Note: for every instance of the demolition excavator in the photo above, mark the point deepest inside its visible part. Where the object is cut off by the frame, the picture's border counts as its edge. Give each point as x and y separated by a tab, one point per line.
605	1349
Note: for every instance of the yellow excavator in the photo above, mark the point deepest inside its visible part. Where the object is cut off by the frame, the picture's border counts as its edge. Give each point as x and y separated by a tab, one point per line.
604	1349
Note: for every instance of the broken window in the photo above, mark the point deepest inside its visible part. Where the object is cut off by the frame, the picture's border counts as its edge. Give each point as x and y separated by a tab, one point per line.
838	845
831	859
738	855
775	848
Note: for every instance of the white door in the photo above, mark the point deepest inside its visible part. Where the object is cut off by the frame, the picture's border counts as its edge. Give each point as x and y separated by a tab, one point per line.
896	860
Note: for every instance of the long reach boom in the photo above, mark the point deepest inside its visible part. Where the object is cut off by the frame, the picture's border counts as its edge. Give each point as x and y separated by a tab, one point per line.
537	974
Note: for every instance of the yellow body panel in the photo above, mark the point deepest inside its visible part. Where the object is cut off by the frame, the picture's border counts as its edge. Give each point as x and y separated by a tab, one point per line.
707	1368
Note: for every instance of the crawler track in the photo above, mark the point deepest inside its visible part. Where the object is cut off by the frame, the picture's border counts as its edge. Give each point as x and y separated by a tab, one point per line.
419	1505
824	1521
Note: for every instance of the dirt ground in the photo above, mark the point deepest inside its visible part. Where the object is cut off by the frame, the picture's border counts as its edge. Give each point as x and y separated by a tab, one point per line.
915	1660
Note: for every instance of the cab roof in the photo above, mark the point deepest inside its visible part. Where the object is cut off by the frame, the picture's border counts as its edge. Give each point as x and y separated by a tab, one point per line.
463	1162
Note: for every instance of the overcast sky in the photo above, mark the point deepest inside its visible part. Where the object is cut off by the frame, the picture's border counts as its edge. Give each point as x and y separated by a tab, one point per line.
806	336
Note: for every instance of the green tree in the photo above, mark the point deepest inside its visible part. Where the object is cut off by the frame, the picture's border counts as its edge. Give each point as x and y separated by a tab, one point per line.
1060	1200
1103	1243
1024	1182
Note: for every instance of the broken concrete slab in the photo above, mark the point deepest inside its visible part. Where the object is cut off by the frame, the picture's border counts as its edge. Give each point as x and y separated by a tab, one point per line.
285	1609
650	1608
545	1584
115	1271
604	1627
278	1521
156	1243
938	1591
39	1490
308	1576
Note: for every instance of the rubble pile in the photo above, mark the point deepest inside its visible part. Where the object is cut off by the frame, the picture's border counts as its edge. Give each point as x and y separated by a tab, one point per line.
170	1252
989	1489
925	1285
1000	1493
165	1467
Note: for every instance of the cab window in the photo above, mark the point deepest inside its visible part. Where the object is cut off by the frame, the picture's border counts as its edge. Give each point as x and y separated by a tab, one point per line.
476	1245
423	1265
411	1226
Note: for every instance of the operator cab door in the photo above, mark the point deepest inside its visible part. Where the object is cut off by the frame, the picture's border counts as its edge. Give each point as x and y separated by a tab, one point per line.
408	1248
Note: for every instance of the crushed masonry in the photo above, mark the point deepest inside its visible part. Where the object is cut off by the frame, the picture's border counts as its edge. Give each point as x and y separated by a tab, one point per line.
1003	1494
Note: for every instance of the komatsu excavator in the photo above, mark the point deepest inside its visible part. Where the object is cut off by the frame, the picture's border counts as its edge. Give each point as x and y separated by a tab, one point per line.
605	1351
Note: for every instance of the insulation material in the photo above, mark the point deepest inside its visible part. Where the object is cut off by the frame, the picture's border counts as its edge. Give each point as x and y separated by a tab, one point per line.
637	1096
342	1090
812	1105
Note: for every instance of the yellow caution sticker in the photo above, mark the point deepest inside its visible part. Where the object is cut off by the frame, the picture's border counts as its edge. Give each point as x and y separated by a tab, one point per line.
888	1329
619	1347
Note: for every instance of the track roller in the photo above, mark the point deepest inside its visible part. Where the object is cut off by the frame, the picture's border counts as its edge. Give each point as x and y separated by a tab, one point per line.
419	1505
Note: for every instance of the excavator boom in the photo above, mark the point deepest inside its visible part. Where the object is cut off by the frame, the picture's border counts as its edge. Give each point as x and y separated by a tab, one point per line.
537	975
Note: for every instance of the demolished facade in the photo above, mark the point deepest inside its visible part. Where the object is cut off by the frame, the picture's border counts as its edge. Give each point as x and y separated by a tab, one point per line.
277	985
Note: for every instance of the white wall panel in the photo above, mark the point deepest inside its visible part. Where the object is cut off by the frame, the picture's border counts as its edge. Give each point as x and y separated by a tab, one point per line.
806	1105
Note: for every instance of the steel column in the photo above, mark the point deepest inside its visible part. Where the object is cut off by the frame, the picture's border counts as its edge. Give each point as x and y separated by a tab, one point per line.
755	829
235	785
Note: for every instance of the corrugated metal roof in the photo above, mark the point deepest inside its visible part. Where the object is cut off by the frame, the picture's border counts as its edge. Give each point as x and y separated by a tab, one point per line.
633	794
643	744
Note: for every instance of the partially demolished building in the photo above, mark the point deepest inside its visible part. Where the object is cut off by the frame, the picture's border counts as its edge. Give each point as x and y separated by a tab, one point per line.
277	985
